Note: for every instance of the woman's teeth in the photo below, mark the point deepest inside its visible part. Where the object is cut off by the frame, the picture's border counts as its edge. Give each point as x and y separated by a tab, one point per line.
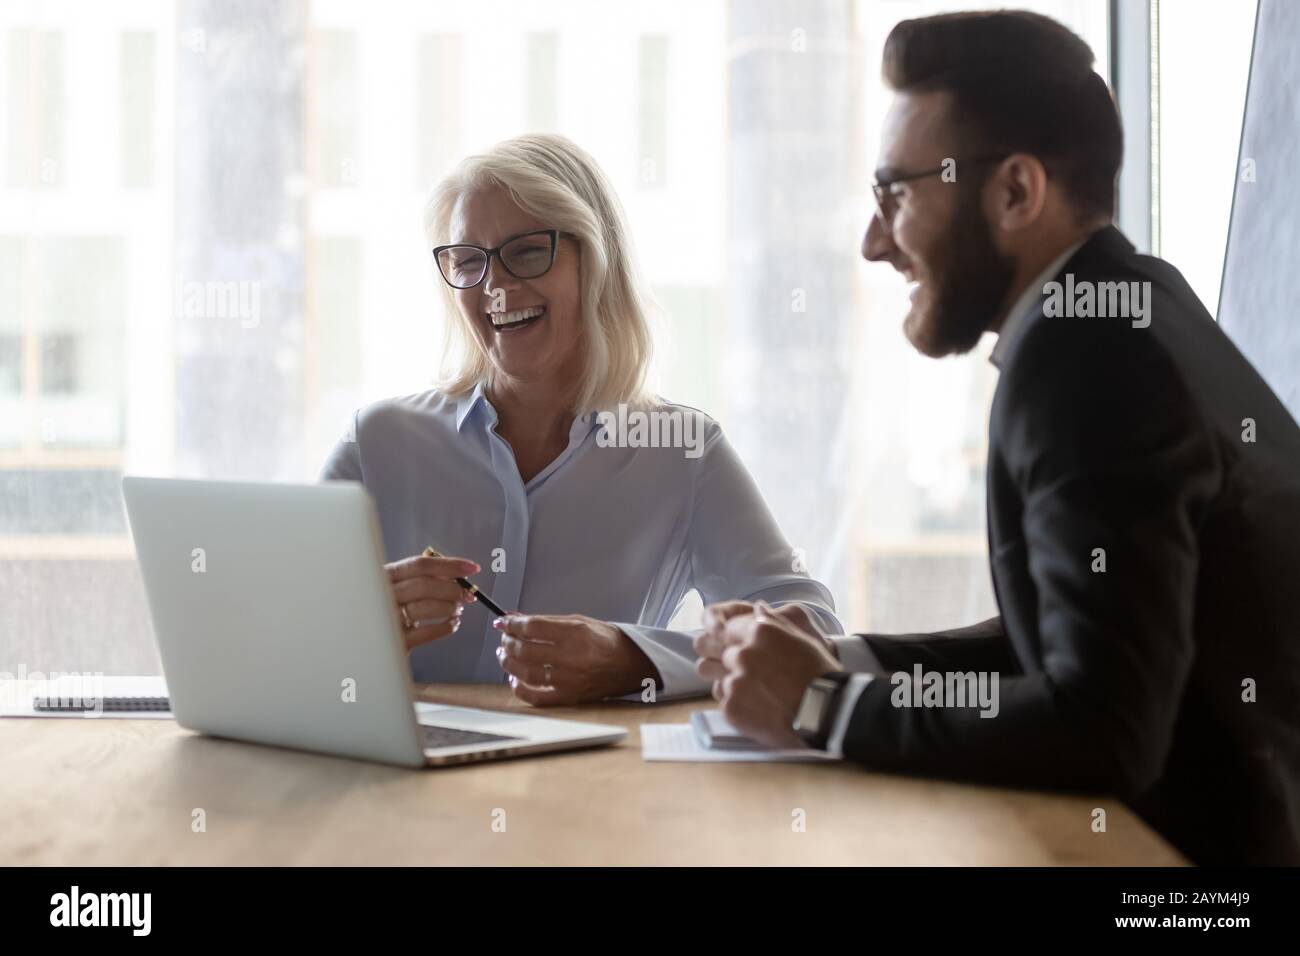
500	319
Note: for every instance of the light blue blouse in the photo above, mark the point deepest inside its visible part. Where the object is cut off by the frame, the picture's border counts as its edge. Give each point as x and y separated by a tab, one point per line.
617	533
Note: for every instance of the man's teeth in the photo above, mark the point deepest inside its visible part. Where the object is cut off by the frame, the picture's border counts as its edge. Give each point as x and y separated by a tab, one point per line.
519	315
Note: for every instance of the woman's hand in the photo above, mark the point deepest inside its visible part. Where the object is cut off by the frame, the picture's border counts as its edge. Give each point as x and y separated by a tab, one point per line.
569	659
429	601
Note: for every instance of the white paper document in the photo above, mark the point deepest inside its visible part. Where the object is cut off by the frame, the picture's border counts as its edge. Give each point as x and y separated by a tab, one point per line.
677	742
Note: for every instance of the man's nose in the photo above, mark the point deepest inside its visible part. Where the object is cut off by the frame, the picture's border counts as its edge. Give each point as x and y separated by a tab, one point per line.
878	243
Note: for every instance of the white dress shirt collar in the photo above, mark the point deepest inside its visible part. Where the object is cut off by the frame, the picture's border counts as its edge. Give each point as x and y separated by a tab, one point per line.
466	404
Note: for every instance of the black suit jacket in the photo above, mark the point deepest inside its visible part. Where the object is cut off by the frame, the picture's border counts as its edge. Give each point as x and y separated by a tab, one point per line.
1129	681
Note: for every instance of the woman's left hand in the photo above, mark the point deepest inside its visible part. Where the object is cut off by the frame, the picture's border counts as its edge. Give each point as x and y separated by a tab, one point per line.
556	659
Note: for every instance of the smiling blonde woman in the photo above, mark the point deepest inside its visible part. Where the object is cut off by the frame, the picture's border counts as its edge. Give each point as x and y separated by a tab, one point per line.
593	538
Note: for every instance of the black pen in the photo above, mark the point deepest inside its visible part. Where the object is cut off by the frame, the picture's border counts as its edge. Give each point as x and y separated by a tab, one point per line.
469	586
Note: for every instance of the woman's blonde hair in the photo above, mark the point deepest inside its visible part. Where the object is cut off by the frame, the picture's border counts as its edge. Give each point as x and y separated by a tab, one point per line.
557	182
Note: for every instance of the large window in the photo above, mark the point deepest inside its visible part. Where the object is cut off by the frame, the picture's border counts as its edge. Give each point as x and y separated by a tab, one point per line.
1201	63
211	252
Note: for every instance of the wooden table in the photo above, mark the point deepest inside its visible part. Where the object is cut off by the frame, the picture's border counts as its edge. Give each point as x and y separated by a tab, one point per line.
109	792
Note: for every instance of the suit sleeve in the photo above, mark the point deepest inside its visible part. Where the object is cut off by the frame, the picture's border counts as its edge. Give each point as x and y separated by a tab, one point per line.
981	646
1107	451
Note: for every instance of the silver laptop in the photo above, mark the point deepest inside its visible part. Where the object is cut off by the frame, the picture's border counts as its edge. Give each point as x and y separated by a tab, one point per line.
276	624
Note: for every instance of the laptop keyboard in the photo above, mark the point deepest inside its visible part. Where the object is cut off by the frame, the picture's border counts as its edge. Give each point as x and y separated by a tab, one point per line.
436	737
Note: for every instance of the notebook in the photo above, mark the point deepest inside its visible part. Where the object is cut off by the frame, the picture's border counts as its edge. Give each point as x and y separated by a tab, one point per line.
76	705
715	732
86	695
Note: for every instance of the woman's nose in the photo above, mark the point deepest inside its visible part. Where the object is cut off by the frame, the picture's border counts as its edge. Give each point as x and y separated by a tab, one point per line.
498	285
498	279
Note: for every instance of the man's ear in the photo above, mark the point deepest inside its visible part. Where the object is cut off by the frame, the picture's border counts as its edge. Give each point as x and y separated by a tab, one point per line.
1016	192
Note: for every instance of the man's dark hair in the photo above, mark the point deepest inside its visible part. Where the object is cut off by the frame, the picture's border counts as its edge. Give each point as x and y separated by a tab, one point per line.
1019	82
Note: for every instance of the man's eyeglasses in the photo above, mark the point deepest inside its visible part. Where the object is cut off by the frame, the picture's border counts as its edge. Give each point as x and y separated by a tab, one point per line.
887	200
531	254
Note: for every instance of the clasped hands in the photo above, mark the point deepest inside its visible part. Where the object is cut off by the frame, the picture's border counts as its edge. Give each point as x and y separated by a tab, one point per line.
760	661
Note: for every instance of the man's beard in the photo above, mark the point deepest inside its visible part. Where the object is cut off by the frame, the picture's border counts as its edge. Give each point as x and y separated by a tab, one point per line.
966	288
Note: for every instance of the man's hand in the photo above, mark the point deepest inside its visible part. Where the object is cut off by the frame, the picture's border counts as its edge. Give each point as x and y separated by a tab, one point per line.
569	659
760	664
716	616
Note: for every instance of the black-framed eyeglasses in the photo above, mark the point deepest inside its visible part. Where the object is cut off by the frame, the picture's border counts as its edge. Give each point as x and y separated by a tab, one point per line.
526	256
887	200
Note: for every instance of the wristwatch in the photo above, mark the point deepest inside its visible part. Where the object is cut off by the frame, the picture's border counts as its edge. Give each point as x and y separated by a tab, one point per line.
817	709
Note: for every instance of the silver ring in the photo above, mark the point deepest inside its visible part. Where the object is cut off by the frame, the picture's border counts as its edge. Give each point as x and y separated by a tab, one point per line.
406	620
546	674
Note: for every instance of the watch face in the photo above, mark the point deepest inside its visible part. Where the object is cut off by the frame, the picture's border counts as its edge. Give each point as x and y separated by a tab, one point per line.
811	710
